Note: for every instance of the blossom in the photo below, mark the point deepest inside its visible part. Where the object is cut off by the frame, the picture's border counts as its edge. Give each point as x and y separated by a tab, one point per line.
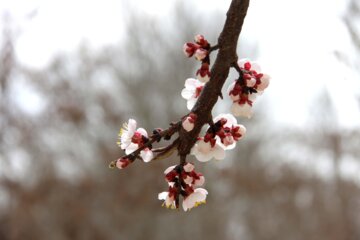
190	48
205	151
253	76
131	140
200	39
191	92
197	197
189	122
200	54
126	133
189	167
169	198
122	163
230	131
203	74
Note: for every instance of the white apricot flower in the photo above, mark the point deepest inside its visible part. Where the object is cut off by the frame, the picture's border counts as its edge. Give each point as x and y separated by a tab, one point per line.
191	92
231	131
169	201
204	151
195	199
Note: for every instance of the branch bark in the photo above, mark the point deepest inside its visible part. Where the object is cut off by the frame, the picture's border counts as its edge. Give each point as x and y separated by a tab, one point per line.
227	43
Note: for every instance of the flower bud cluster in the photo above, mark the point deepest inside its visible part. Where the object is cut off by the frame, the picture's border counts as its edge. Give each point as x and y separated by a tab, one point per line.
183	181
200	50
244	90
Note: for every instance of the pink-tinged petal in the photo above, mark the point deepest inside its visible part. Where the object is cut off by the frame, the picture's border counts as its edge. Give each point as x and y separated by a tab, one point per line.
188	180
265	80
256	67
142	132
243	110
201	156
169	169
242	130
203	191
251	82
147	155
231	120
199	182
189	167
187	124
200	54
187	94
204	79
131	148
252	97
218	152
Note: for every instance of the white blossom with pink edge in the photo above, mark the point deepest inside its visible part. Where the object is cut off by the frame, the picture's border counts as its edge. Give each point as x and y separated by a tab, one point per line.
204	152
231	123
195	199
191	92
242	110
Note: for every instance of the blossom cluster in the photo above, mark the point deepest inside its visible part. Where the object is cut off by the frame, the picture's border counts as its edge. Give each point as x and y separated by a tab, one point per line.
183	181
221	134
247	87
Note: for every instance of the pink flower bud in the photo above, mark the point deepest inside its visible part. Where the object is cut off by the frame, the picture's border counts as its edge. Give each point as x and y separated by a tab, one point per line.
189	49
203	74
188	167
189	122
200	54
122	163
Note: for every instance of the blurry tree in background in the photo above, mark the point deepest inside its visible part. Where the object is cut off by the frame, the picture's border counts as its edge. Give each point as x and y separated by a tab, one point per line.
54	180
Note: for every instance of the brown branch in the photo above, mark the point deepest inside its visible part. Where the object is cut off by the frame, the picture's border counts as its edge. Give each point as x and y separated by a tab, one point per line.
227	44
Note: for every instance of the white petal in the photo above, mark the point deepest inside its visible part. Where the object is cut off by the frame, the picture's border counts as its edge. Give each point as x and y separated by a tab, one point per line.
265	80
191	83
243	110
169	169
131	127
147	155
142	132
163	195
218	152
187	125
201	156
231	120
200	181
131	148
187	94
191	103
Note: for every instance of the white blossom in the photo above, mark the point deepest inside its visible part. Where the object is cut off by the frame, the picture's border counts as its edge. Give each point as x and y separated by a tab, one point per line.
195	199
204	152
191	92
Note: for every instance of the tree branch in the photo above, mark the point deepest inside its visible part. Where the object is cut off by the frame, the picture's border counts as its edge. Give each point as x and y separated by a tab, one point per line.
227	44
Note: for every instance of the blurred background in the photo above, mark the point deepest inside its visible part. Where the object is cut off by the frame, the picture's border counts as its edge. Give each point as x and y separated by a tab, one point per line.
71	72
